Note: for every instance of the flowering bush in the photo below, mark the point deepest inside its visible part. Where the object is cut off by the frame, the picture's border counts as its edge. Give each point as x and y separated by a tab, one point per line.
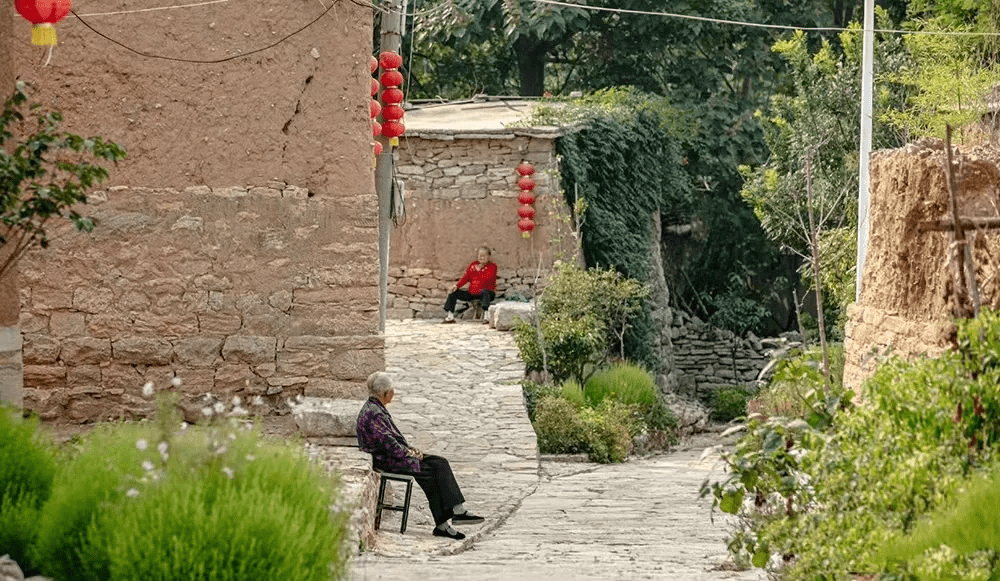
202	503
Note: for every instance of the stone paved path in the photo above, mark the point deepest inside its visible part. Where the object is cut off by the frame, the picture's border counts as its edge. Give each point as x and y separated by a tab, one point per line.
457	394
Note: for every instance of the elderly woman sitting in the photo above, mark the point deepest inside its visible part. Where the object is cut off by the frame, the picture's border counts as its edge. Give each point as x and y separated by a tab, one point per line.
379	436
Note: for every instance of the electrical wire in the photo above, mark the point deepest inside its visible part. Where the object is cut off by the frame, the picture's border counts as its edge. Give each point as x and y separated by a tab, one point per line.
756	24
221	60
153	9
413	38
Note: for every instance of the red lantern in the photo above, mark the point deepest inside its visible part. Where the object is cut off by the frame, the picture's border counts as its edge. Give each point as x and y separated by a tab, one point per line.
43	14
526	198
392	113
526	211
390	60
375	108
393	128
391	78
377	129
525	169
525	225
378	146
526	183
373	64
375	86
392	96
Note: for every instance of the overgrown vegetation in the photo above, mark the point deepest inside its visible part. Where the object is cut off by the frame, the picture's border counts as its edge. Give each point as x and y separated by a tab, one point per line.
151	501
603	418
44	175
822	493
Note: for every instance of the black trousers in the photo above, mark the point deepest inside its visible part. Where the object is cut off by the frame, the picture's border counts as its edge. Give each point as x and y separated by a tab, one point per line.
485	298
438	483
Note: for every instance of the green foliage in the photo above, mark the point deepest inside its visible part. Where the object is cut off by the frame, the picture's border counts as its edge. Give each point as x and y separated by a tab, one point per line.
44	175
573	393
217	503
580	315
728	403
27	469
534	392
795	377
623	382
604	432
827	494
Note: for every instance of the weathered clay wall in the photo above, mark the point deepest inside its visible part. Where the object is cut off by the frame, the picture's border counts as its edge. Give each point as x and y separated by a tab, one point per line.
10	338
222	287
462	194
906	299
237	244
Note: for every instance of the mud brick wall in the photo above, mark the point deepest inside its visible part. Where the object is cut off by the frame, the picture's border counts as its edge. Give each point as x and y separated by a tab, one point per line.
258	290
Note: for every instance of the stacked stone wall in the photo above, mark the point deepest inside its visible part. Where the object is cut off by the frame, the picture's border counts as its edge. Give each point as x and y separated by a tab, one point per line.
462	194
264	292
706	358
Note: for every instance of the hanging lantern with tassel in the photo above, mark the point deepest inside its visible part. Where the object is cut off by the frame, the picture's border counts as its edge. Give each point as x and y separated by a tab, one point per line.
43	14
526	212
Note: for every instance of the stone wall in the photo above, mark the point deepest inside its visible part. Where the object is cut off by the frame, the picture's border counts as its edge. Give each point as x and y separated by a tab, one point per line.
706	358
884	333
261	290
462	194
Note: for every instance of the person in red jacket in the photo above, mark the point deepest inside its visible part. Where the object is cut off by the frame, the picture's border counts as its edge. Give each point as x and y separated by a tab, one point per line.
481	277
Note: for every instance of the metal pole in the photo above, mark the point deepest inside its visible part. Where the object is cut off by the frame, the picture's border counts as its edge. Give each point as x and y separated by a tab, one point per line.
392	40
864	205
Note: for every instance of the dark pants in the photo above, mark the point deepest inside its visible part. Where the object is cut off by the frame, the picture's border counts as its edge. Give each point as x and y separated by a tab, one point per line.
485	298
438	483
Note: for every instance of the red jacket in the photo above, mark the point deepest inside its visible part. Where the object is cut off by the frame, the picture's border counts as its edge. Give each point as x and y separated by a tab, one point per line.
479	280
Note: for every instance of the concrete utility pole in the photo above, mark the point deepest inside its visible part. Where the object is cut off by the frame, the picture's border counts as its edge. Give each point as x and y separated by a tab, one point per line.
867	65
392	39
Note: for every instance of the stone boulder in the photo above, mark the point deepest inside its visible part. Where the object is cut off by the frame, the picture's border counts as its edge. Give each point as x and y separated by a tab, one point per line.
502	316
332	419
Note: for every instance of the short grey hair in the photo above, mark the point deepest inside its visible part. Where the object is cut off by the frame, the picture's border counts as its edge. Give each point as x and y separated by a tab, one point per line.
379	384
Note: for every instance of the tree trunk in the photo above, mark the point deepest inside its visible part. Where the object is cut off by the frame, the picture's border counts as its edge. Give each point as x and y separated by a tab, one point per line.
530	66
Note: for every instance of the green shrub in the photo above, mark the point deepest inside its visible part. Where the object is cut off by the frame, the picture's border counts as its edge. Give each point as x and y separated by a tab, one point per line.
534	392
27	469
609	429
222	504
573	393
559	427
623	382
728	403
832	490
796	376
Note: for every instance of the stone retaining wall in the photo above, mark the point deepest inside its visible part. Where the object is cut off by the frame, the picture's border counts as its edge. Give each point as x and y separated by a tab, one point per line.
262	291
419	293
706	358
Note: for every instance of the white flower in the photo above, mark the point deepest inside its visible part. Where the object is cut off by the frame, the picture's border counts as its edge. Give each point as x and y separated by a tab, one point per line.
147	465
239	411
184	426
141	445
251	457
228	471
208	397
207	412
237	400
221	450
257	401
147	390
132	493
219	407
231	436
162	447
176	381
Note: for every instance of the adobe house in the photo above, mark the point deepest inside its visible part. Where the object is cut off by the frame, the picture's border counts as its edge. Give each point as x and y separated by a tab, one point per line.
11	390
458	163
236	246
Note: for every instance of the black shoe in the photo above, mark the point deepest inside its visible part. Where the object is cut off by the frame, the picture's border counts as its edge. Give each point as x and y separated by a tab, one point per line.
467	518
439	533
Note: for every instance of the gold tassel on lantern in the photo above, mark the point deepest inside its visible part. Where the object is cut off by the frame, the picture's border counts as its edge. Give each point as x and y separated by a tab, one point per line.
43	34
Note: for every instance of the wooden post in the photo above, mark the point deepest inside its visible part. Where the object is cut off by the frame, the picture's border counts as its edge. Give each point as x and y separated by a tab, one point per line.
966	286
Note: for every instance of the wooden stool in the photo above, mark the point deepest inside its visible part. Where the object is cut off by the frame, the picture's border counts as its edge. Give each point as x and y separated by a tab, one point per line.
380	504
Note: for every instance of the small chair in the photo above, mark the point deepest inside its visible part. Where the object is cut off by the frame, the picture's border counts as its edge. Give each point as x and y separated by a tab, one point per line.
380	504
473	304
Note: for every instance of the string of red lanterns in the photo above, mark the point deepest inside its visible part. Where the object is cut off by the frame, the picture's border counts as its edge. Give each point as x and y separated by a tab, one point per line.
374	107
392	96
526	211
43	14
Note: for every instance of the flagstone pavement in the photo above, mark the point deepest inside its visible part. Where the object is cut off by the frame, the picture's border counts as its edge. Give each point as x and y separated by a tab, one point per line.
458	395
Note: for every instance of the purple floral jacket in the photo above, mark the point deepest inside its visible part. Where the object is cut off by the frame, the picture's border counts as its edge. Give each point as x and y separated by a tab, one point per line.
379	436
